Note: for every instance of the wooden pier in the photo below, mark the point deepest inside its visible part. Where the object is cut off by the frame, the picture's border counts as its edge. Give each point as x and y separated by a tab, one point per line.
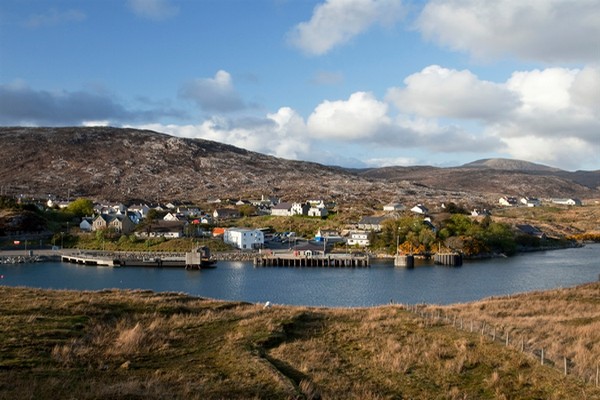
328	261
452	259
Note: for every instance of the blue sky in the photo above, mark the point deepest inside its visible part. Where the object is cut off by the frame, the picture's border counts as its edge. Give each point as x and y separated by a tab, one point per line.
360	83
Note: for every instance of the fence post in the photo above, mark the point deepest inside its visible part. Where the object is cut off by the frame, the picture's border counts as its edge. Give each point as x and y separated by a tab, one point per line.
597	375
494	335
542	357
565	366
506	339
471	326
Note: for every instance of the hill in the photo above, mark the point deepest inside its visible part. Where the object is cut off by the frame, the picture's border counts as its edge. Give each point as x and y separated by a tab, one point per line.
144	345
509	165
124	164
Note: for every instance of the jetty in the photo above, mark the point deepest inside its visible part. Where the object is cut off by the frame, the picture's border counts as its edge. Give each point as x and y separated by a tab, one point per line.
89	260
199	258
404	260
298	260
452	259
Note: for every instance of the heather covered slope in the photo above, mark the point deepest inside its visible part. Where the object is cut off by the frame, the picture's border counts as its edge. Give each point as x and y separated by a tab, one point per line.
122	164
140	344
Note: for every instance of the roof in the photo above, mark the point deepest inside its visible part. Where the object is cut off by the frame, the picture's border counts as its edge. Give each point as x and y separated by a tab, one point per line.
371	220
282	206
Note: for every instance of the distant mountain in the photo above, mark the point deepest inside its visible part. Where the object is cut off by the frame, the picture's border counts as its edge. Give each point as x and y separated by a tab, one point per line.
125	164
509	165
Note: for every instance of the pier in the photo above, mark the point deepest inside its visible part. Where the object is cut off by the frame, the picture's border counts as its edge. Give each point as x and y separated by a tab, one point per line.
452	259
406	261
89	260
293	260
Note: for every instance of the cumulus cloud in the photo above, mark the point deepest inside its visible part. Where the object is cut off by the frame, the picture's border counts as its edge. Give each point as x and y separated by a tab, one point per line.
336	22
153	9
440	92
549	31
540	115
360	117
54	17
22	105
213	94
281	134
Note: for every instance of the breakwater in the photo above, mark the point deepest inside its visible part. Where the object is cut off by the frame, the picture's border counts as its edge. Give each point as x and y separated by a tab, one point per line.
27	259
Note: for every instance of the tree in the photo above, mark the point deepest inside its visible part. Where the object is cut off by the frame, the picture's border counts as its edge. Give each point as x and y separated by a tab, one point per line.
81	207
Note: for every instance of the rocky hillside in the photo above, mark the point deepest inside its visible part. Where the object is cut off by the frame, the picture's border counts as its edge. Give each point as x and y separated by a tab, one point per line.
125	164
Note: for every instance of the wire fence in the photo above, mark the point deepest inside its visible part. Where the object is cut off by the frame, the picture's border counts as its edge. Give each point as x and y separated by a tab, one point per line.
507	336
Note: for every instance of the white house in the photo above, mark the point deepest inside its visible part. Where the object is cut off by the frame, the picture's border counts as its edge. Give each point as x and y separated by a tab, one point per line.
530	202
140	209
244	238
173	217
507	201
393	207
567	202
358	238
317	212
282	210
300	209
420	209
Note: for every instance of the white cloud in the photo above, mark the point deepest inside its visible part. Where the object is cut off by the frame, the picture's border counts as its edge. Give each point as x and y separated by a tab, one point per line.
568	153
54	17
440	92
544	30
546	90
390	161
153	9
281	134
213	94
336	22
360	117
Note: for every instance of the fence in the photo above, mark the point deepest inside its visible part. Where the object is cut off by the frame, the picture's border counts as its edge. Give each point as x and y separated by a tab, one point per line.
502	335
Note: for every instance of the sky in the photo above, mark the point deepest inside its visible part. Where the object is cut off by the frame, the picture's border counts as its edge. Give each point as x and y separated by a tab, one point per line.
355	83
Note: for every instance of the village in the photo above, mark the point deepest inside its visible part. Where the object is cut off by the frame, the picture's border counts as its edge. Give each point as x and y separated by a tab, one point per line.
393	228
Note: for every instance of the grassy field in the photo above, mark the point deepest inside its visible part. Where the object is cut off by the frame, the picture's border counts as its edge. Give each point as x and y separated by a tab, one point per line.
145	345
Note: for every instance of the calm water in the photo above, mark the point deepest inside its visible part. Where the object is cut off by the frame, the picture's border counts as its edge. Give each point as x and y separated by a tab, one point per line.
341	287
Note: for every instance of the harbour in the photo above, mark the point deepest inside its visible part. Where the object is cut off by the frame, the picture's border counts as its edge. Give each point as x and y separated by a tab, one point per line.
380	283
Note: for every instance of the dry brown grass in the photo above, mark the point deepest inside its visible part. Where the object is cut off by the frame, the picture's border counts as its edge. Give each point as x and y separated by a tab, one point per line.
116	344
564	322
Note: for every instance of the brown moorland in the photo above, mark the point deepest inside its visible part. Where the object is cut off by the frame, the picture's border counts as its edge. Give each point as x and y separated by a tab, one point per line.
140	344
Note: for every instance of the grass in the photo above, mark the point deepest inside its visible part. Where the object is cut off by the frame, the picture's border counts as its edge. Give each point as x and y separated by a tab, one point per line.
140	344
565	322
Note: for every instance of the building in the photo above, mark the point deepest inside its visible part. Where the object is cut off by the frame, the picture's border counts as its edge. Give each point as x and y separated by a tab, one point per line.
118	223
282	210
359	238
567	202
329	236
531	202
317	212
225	213
393	207
371	223
244	238
420	209
166	229
507	201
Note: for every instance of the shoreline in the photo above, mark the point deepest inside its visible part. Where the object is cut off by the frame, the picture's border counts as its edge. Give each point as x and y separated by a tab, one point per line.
47	255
